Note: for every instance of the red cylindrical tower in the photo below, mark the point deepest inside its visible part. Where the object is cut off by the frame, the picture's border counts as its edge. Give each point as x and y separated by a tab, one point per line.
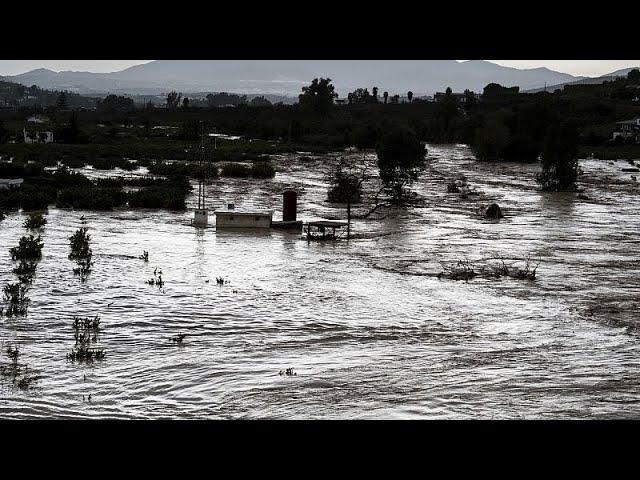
289	205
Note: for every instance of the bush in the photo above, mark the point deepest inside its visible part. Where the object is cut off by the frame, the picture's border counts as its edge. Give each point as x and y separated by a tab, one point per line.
29	248
491	139
35	221
111	162
236	170
169	194
180	169
521	148
400	159
560	159
158	197
92	198
263	170
65	178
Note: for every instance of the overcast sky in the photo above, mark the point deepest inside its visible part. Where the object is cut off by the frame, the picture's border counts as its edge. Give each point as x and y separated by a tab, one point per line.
589	68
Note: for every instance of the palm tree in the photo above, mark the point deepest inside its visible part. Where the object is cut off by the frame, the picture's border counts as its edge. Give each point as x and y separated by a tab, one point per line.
409	95
385	95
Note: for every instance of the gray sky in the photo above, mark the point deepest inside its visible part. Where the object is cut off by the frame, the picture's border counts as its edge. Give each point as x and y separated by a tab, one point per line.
589	68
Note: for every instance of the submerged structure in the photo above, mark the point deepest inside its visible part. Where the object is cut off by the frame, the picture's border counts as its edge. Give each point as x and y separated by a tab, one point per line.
230	217
201	215
323	229
289	212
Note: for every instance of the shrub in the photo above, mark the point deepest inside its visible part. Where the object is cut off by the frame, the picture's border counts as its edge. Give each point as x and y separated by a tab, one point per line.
169	194
236	170
490	139
560	159
29	248
521	148
64	178
400	159
263	170
35	221
92	198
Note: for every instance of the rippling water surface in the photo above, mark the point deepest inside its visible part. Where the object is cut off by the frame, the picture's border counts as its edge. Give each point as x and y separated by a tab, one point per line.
366	324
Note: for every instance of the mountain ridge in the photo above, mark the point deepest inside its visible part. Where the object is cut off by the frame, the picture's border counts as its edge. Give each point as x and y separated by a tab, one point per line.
287	77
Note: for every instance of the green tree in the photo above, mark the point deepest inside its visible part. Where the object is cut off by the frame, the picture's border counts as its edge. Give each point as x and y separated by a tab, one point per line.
318	96
173	99
361	95
260	102
385	95
374	92
559	158
491	138
346	181
410	96
634	74
62	102
400	160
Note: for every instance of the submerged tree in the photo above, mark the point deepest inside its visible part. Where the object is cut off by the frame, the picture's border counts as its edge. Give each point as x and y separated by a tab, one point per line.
400	160
346	181
491	138
560	158
318	96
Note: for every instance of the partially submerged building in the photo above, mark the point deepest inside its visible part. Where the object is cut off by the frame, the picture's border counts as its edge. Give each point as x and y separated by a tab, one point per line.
628	129
232	217
10	183
32	135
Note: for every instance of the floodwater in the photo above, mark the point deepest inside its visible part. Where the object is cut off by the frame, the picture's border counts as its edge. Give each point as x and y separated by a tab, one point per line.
366	324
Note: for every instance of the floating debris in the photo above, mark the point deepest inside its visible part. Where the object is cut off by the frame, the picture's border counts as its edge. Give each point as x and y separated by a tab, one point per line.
178	338
287	372
494	211
144	256
465	270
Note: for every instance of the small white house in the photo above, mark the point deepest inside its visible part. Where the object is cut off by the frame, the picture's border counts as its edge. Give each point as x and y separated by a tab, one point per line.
230	217
628	128
36	136
37	119
10	183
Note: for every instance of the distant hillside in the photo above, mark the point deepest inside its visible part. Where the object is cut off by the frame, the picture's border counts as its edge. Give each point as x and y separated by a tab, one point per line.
17	95
586	81
287	77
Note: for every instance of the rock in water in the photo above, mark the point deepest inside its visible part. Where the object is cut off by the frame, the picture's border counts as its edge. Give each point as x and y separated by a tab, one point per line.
493	211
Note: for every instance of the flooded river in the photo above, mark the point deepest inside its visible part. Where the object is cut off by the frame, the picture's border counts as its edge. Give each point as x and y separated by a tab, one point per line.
367	325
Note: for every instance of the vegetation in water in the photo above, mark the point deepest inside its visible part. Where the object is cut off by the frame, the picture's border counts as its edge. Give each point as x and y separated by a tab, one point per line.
560	159
35	221
29	248
400	160
16	301
18	373
25	270
86	330
81	252
465	270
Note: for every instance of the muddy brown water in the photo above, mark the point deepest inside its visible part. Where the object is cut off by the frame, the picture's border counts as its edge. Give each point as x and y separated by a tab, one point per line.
367	326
